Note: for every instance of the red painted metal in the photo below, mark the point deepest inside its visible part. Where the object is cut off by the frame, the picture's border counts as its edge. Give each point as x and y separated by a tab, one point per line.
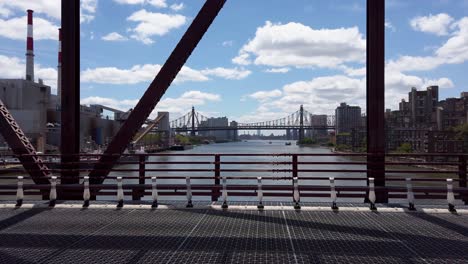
70	96
376	94
157	88
21	147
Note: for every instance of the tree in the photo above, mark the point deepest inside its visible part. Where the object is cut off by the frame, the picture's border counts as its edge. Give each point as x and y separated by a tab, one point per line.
182	140
461	133
405	148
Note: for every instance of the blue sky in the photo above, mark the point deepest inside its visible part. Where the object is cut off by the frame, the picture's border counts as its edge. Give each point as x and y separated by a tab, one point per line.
258	61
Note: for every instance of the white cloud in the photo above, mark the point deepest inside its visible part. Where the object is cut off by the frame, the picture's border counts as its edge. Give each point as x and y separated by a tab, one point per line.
154	24
455	50
155	3
354	71
88	10
278	70
114	36
176	106
177	7
298	45
227	43
16	29
4	12
397	86
390	26
147	72
15	68
435	24
122	105
411	63
51	8
264	96
136	74
242	59
230	74
322	95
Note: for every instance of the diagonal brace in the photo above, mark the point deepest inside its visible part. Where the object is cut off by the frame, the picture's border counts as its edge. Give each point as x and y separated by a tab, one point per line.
156	90
21	147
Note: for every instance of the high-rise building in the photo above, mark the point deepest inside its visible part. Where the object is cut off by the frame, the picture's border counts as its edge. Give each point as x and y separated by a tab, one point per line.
216	122
319	123
423	106
347	118
452	112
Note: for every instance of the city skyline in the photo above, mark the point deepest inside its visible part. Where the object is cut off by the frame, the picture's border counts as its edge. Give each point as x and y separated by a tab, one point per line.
247	75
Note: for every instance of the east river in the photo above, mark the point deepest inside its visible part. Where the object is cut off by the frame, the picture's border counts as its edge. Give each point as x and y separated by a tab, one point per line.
261	147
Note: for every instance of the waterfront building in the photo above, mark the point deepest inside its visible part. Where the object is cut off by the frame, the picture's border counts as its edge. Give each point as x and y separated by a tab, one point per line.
347	118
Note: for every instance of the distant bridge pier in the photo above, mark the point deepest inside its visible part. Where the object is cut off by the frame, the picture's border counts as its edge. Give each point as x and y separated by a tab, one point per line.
301	123
192	132
165	128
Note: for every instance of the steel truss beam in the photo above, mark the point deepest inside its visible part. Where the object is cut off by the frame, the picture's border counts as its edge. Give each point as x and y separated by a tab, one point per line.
149	128
376	94
21	147
70	101
156	90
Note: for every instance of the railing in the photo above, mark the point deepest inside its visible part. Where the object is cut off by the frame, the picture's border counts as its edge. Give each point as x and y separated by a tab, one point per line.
292	177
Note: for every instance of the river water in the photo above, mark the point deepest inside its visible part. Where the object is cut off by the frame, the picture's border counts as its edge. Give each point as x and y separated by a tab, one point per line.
253	147
258	147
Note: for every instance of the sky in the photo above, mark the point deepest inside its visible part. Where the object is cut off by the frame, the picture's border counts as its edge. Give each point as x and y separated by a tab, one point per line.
260	60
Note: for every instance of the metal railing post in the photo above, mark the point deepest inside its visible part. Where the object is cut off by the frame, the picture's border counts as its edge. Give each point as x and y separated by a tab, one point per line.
140	191
462	176
215	193
294	170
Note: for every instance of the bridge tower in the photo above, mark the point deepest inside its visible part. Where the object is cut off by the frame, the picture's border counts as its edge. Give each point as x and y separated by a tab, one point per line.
192	133
301	123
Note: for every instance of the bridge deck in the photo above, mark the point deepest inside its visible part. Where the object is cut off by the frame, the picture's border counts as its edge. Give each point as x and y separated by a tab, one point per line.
179	235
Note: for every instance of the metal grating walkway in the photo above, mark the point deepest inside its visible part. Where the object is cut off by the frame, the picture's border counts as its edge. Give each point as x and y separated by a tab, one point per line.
238	236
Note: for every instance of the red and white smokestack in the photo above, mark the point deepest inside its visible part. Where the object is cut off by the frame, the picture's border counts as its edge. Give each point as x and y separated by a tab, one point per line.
30	49
59	68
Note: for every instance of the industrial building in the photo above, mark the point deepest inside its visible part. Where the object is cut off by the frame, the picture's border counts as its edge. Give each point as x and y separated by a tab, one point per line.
37	110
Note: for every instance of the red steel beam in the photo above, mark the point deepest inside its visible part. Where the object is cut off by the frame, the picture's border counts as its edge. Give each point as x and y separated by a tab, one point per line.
70	96
21	147
376	94
157	88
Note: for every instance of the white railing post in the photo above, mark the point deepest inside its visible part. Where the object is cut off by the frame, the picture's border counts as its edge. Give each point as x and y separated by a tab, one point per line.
53	191
333	193
225	205
450	196
86	192
189	192
410	194
154	192
260	193
120	193
19	192
296	194
372	194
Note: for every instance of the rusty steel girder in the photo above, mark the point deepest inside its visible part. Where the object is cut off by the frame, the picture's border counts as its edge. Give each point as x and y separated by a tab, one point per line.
156	90
21	147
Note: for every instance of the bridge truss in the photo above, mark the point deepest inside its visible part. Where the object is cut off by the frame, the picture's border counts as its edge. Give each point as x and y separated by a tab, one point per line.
301	119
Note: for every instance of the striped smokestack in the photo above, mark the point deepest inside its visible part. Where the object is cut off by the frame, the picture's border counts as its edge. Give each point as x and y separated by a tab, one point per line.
59	69
30	49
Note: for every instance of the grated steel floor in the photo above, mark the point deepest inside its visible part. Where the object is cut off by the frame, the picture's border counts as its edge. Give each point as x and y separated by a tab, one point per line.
214	236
